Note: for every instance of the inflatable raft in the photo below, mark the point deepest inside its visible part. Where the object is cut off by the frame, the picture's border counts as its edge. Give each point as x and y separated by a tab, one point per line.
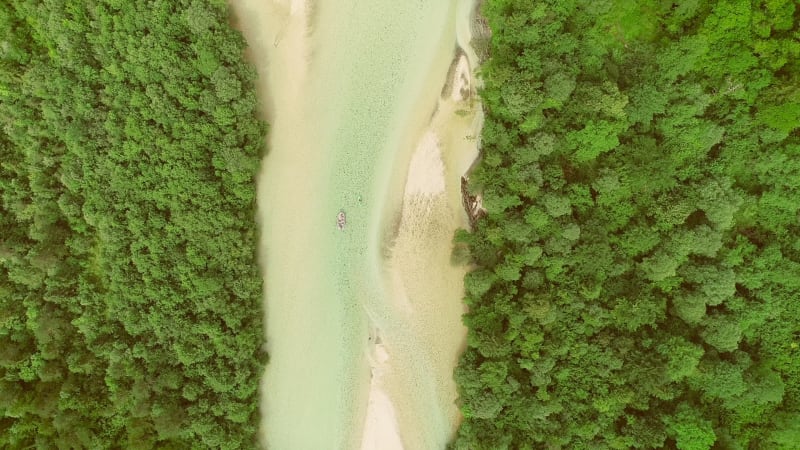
341	220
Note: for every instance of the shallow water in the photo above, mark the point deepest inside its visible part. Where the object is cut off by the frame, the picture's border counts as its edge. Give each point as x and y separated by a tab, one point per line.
348	88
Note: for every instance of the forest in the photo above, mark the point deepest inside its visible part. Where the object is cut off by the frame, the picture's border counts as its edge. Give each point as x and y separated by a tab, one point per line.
130	295
637	274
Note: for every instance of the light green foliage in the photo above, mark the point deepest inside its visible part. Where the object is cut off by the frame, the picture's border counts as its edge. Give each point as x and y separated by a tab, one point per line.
784	118
478	282
556	206
129	290
638	268
682	357
593	140
691	431
722	380
722	333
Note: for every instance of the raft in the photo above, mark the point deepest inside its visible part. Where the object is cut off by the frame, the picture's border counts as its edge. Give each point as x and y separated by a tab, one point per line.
341	220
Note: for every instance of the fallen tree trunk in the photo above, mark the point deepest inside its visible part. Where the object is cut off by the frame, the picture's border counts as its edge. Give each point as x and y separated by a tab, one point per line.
472	203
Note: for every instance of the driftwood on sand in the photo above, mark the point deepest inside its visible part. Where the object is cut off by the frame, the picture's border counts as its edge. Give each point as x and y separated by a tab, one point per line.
472	203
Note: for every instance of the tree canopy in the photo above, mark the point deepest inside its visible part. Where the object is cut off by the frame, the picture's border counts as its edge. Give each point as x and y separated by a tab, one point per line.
130	296
638	268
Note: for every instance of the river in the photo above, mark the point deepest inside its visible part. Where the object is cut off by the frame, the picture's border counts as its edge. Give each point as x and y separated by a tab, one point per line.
361	343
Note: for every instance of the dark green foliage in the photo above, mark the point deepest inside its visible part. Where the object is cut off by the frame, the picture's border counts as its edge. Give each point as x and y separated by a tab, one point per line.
639	266
129	291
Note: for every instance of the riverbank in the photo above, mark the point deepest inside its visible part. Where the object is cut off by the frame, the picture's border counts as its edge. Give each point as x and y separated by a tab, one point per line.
421	333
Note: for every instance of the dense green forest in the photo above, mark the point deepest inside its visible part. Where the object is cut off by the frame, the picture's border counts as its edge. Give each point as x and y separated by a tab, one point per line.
637	279
130	309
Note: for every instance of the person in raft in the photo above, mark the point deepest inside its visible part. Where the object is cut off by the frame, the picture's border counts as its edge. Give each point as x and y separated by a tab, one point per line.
341	220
